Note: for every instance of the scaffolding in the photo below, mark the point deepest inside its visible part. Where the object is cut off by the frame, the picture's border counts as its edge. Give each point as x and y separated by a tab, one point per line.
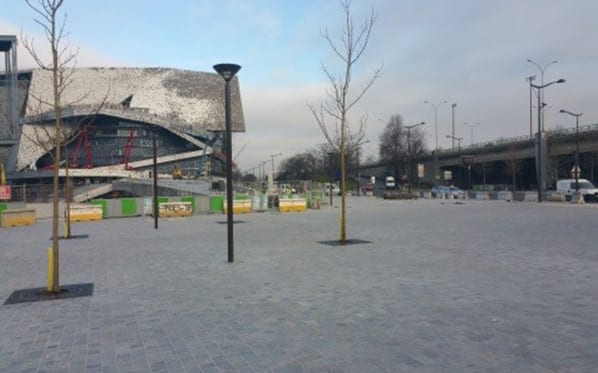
8	46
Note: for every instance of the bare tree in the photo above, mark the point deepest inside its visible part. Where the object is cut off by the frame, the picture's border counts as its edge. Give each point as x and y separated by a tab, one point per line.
397	144
514	166
62	60
332	114
393	145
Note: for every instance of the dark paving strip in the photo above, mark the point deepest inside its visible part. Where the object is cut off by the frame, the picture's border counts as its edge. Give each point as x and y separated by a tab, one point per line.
352	241
74	237
40	294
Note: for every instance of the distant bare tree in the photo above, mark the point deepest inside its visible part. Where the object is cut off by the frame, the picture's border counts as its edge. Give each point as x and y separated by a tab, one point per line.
514	166
332	114
394	144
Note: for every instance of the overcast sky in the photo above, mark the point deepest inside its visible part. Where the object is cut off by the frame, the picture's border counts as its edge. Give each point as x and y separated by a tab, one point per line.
469	52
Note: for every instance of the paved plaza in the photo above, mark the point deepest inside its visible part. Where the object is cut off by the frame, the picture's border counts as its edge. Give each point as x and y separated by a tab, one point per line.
477	286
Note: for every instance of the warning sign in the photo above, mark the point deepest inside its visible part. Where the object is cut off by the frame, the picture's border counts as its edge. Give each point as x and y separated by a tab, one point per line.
4	192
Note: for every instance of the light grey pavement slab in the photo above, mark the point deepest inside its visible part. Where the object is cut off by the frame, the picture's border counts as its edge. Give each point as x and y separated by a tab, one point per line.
484	286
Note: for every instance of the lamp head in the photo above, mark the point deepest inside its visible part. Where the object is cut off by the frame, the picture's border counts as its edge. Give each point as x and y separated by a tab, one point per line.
561	81
227	70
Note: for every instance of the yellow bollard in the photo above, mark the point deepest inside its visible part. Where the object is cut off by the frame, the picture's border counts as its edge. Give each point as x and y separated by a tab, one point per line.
65	226
50	268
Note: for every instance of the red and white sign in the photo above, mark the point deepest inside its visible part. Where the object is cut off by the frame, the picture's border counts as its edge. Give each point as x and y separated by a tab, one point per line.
4	192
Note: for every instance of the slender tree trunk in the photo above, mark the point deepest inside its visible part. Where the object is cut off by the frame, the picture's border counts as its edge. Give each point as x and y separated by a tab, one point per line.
343	223
55	288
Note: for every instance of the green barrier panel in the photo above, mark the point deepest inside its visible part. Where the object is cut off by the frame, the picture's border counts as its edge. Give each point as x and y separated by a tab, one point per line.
100	202
3	206
216	203
189	199
128	207
241	197
162	200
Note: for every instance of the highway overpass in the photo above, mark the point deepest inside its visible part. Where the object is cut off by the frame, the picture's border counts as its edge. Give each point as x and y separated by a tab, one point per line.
495	163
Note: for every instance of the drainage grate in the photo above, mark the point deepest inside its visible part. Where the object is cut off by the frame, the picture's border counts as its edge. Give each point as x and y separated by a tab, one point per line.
353	241
40	294
73	237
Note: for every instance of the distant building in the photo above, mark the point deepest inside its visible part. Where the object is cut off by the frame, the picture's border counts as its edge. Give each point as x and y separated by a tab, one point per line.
109	116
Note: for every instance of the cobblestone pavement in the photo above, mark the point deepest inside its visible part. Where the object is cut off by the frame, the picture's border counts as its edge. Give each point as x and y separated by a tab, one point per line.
483	286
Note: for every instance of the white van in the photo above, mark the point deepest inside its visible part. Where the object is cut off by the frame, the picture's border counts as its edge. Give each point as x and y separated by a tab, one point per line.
567	186
389	182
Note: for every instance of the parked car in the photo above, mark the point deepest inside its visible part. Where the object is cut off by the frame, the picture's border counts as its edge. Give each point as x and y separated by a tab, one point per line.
586	188
390	182
336	190
369	187
450	192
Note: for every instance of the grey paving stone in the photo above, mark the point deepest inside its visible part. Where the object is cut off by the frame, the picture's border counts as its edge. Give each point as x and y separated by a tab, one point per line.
485	286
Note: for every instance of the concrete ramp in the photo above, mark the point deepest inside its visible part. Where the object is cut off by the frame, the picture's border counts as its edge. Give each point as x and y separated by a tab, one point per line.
87	192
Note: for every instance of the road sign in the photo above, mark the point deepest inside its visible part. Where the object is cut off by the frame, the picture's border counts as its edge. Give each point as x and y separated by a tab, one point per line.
5	192
420	170
575	171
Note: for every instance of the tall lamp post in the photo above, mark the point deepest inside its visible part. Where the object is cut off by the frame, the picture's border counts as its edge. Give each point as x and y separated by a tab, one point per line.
530	79
435	106
359	166
458	139
542	69
272	156
435	154
228	71
155	175
471	128
453	106
410	157
539	176
577	170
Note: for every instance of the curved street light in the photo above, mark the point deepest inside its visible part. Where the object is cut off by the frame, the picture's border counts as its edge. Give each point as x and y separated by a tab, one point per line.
435	106
458	139
409	128
471	128
577	170
542	69
530	79
539	89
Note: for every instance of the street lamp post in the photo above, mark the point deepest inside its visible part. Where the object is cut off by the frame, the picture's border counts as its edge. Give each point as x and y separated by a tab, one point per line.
435	106
228	71
435	153
155	175
540	180
359	166
330	155
471	128
459	139
264	177
530	79
409	128
577	170
272	156
542	69
453	106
